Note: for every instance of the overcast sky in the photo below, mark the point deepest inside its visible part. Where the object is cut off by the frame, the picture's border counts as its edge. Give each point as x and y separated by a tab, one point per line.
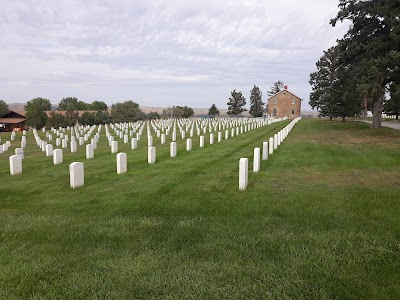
160	53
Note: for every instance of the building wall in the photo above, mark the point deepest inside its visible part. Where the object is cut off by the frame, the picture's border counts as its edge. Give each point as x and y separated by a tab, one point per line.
281	105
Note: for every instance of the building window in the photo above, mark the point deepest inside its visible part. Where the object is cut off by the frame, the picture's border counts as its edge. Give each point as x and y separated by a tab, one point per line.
293	101
275	101
274	112
292	111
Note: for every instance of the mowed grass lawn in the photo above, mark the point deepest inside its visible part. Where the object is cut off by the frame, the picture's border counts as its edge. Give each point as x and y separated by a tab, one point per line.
320	221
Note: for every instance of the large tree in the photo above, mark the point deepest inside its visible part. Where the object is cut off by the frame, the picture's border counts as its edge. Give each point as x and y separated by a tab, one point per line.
72	103
57	120
236	103
371	47
3	108
275	88
127	111
213	111
256	104
392	105
98	105
333	87
87	118
35	112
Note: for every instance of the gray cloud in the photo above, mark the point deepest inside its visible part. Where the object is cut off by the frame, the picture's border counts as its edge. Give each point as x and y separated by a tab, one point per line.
160	52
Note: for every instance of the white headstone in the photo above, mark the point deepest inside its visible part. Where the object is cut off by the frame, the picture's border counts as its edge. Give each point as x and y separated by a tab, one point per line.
151	155
114	147
126	138
57	156
73	146
172	150
89	151
243	173
81	141
201	141
163	138
58	142
133	143
211	138
149	141
256	160
122	164
219	137
271	145
64	143
275	141
265	151
15	164
19	151
188	144
76	175
49	150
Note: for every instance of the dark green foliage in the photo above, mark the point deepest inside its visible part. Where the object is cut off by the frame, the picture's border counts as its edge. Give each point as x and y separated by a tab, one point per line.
276	88
371	47
236	103
256	104
392	105
127	111
3	108
153	115
178	112
88	118
213	111
98	105
72	117
72	103
334	92
103	117
57	120
35	112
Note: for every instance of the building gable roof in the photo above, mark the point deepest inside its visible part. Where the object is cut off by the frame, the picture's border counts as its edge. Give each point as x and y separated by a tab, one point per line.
15	114
287	92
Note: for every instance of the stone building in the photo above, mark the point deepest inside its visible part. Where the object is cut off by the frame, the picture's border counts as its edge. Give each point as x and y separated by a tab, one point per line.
284	104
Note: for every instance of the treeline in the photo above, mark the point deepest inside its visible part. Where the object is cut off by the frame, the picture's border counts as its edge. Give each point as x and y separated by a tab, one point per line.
71	111
355	75
237	101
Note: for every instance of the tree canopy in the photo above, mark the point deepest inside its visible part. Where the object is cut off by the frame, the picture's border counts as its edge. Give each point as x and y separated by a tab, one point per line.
364	63
236	103
256	104
35	112
275	88
3	108
213	111
127	111
72	103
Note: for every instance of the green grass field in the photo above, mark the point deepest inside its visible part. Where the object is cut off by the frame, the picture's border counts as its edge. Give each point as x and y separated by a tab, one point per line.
320	221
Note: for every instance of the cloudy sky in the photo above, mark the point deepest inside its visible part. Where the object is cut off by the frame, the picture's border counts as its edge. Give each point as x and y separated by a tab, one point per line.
160	53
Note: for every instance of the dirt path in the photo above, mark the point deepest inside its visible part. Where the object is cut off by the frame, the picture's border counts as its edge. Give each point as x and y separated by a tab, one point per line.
385	124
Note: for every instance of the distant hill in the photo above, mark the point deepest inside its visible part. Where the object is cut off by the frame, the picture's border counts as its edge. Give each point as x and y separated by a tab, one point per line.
145	109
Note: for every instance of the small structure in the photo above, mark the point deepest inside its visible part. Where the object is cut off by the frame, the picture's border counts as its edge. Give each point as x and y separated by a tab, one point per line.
284	104
13	121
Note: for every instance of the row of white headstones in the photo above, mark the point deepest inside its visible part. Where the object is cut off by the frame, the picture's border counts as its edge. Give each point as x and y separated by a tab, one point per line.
161	128
268	148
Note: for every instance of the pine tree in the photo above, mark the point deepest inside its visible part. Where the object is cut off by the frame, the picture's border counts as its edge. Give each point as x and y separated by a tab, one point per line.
256	104
275	88
236	103
213	111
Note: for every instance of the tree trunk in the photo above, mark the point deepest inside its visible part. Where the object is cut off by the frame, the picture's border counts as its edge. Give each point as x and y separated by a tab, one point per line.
365	107
343	119
397	117
330	118
377	113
